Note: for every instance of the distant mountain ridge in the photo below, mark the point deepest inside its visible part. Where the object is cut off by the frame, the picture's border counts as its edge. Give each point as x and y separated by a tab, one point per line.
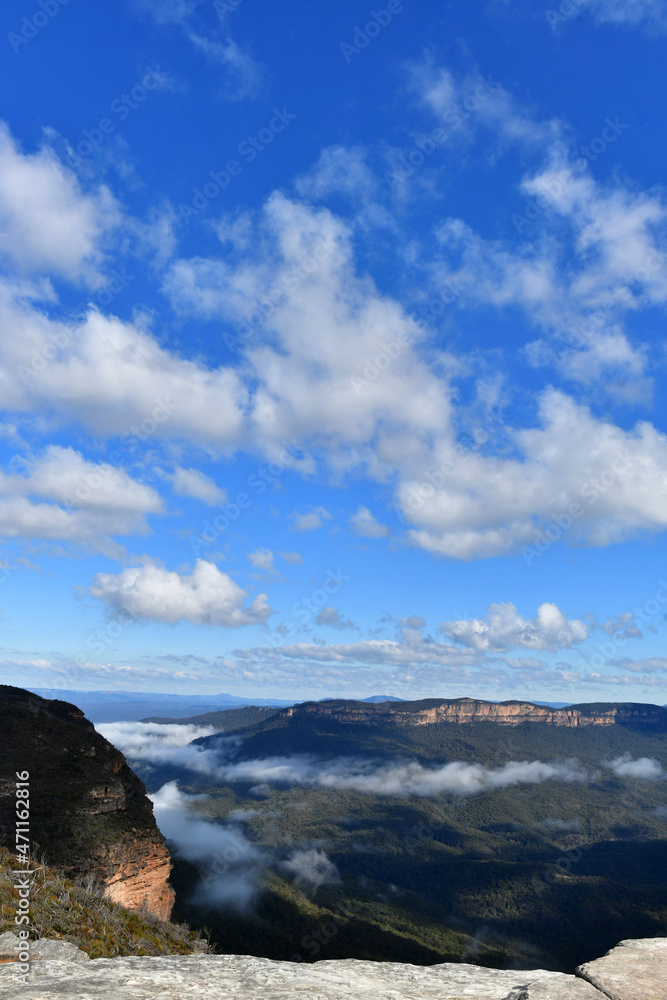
133	706
466	710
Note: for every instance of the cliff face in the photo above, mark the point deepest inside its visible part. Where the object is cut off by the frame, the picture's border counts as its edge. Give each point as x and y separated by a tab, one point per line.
466	710
89	812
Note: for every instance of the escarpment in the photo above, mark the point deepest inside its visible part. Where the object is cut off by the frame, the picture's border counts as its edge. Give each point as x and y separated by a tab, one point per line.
89	812
467	710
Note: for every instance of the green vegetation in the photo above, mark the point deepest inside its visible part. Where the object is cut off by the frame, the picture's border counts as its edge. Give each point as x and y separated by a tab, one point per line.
547	875
76	911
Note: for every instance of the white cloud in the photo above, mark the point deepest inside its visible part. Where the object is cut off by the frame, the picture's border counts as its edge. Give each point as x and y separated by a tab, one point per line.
401	779
150	741
339	170
244	77
630	12
504	629
623	626
333	619
91	499
169	11
231	863
311	520
365	525
262	559
644	767
293	558
112	376
193	483
311	869
52	226
205	597
484	506
380	651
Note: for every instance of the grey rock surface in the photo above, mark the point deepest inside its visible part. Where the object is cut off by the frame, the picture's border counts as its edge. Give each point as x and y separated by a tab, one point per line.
44	950
633	970
223	977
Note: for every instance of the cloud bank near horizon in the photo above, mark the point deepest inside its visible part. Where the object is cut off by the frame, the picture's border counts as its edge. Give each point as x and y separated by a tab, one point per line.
373	777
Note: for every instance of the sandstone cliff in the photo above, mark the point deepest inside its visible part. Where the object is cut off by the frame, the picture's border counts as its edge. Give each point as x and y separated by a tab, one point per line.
89	813
466	710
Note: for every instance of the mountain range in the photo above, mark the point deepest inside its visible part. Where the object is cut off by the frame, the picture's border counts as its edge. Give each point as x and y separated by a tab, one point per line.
509	834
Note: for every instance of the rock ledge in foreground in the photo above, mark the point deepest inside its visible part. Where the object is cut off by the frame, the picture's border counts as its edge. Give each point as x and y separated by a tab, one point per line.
633	970
234	977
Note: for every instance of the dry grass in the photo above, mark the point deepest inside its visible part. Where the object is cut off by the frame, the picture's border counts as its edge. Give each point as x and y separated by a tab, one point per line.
77	911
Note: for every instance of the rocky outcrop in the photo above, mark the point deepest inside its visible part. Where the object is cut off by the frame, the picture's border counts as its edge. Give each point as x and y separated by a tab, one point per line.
634	970
89	812
223	977
466	710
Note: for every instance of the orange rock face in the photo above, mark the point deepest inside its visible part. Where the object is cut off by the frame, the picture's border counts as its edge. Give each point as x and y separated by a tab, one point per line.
140	878
89	812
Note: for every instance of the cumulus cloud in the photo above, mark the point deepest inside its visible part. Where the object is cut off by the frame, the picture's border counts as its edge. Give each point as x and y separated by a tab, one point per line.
366	526
59	494
112	376
623	626
311	520
205	597
195	484
293	558
504	629
333	619
262	559
51	225
403	427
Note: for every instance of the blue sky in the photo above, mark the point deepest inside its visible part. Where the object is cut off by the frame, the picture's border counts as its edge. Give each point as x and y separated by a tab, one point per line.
330	348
